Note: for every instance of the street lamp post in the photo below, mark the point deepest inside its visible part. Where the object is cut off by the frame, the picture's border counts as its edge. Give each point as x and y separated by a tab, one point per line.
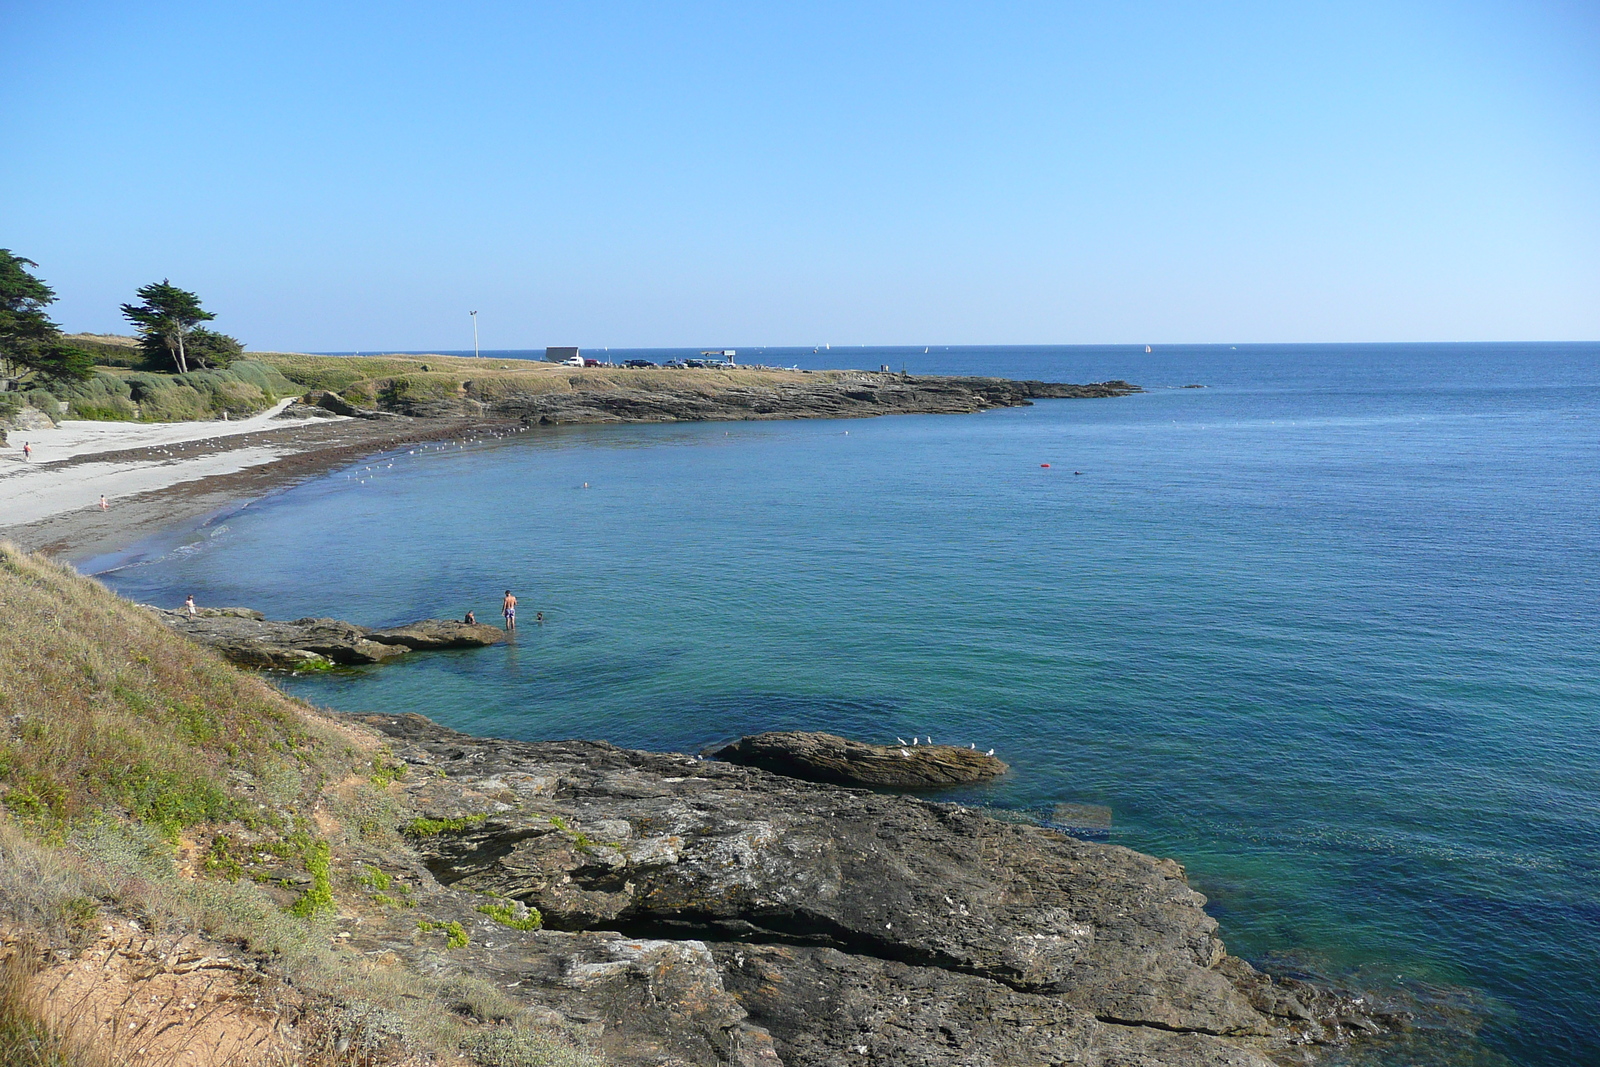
474	334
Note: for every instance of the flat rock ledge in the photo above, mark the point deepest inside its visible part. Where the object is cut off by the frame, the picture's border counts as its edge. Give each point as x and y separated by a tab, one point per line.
699	912
819	757
249	639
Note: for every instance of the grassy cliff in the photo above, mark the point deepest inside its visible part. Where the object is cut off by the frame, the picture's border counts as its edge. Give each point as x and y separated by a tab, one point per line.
158	805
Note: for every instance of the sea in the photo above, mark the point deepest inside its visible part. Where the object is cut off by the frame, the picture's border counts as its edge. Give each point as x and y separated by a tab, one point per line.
1323	629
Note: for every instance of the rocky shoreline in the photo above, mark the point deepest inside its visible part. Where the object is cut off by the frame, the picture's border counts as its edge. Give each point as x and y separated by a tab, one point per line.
247	638
681	396
685	910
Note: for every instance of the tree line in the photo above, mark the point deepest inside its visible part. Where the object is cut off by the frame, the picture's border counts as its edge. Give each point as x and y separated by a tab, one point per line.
167	319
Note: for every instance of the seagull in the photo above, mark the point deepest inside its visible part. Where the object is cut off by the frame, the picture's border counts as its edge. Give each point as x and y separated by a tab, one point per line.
901	740
970	745
914	741
989	753
906	752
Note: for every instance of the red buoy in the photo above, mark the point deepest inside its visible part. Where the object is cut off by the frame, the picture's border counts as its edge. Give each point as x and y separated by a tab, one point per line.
1044	464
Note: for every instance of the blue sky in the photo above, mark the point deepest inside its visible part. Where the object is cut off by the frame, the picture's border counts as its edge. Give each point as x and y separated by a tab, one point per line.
359	176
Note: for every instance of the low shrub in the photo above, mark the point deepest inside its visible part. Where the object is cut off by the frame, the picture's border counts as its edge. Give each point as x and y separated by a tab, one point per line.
516	915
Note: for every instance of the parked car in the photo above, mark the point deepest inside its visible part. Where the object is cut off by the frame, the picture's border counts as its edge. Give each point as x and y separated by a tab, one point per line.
637	363
587	362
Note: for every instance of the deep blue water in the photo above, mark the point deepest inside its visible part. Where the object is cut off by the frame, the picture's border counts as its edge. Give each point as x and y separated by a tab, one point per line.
1325	631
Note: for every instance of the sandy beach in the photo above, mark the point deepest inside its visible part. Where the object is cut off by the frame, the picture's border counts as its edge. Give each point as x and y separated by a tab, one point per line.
155	475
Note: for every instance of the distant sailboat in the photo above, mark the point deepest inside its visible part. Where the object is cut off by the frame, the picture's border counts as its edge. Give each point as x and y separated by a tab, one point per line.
1147	348
924	349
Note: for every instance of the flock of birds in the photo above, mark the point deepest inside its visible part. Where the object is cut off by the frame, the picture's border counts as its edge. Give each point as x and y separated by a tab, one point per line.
446	446
917	741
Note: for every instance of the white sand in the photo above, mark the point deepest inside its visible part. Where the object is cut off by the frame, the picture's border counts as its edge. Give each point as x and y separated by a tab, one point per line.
80	437
41	492
46	486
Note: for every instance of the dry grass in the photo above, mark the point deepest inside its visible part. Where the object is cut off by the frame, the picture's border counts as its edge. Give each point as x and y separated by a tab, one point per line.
369	376
133	766
102	708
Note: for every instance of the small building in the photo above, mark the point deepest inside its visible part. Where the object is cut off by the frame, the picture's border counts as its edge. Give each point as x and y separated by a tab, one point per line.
558	354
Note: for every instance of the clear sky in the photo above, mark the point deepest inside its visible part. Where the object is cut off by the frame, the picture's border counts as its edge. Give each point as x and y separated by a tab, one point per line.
360	175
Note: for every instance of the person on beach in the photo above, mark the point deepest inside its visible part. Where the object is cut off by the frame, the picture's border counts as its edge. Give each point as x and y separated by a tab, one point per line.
471	619
509	609
188	602
27	450
103	504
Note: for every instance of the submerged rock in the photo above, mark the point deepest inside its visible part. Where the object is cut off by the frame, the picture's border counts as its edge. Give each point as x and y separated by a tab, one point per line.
819	757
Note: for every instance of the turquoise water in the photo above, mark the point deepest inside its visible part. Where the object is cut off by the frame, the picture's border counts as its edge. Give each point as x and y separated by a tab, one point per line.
1325	631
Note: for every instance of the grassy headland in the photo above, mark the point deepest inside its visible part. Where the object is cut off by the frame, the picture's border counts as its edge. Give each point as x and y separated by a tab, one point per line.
150	793
124	386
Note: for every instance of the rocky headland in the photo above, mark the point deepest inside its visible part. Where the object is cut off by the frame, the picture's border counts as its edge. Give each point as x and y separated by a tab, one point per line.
696	911
540	397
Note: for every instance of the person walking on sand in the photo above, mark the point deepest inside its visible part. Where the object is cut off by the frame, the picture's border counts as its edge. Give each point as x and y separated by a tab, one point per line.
103	504
27	450
509	609
188	602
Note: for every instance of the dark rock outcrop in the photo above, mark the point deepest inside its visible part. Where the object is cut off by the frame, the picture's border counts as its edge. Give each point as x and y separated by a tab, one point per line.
433	634
695	395
849	396
338	405
702	912
819	757
250	640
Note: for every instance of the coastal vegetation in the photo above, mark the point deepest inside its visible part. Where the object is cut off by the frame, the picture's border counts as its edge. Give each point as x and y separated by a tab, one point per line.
176	369
168	320
32	351
155	801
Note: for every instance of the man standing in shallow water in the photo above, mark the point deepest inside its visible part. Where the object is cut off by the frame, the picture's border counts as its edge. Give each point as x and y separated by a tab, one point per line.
509	609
